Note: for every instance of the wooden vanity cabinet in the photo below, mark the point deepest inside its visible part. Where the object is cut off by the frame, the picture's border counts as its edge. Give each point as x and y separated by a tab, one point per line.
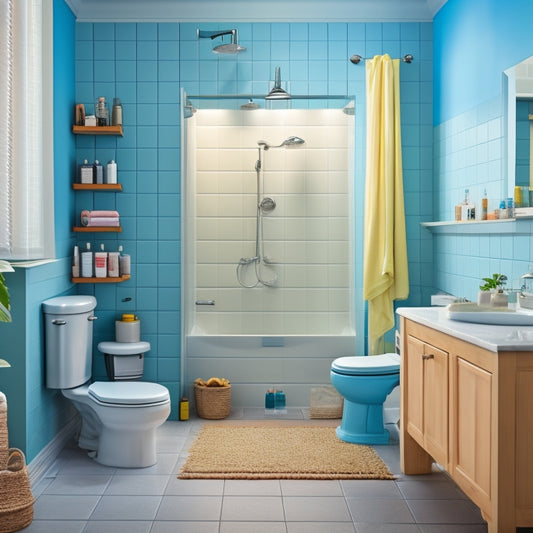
470	410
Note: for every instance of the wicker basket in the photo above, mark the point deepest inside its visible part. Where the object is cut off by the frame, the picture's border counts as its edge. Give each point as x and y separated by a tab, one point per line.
213	403
16	499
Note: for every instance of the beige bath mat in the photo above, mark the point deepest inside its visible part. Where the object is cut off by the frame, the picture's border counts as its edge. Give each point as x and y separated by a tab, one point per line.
259	452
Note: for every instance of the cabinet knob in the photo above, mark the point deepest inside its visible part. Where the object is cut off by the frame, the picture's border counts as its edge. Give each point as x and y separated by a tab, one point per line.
428	356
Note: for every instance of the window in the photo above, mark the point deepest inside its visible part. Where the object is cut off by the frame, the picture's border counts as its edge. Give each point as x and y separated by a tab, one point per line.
26	130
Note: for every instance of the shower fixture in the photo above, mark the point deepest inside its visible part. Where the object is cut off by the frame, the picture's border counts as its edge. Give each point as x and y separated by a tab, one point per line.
277	93
250	105
289	141
232	47
264	205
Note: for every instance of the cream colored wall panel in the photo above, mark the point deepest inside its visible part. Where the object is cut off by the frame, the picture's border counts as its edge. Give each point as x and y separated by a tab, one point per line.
338	252
317	182
338	205
293	205
207	159
207	276
207	205
232	159
316	160
339	300
337	159
317	205
317	229
207	137
339	229
294	300
295	228
294	252
338	182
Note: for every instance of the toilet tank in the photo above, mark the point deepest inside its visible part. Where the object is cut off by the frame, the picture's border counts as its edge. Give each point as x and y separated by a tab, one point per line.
124	360
68	327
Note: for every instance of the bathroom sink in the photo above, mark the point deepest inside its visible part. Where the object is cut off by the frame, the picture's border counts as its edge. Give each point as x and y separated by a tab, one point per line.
486	314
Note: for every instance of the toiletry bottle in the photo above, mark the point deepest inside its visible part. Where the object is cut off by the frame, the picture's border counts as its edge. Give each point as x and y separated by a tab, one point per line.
184	409
76	262
101	112
116	113
98	172
124	263
484	205
113	264
465	207
111	174
86	173
510	208
87	262
100	263
503	209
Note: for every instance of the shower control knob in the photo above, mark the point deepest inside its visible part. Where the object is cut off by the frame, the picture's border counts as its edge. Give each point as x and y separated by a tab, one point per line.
267	204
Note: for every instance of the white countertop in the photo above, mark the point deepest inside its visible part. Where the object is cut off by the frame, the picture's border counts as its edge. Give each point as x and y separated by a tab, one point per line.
490	337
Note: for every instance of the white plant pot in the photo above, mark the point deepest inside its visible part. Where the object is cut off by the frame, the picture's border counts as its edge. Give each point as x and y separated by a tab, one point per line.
483	297
499	299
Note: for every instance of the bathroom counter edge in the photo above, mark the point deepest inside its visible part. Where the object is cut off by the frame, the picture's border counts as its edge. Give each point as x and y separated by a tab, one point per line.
491	337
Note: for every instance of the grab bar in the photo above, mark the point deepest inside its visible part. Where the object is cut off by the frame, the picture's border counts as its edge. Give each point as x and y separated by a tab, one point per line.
205	302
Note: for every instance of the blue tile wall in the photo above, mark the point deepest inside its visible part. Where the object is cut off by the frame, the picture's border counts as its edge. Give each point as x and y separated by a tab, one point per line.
146	64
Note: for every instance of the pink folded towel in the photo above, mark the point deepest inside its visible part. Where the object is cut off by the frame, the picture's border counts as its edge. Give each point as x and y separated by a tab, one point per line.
99	214
102	221
99	218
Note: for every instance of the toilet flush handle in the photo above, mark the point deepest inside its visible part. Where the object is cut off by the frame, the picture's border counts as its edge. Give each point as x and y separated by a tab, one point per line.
57	322
92	317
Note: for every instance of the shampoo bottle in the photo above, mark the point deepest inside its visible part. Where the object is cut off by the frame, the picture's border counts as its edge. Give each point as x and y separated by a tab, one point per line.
76	262
113	264
98	172
111	175
87	262
100	263
125	263
86	173
484	205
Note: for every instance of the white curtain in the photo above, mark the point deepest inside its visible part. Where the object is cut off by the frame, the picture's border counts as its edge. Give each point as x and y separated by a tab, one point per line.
26	130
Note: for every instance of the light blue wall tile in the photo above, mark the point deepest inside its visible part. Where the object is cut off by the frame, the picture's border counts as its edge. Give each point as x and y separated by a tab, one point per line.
168	251
147	72
147	31
126	71
147	50
126	32
84	31
104	31
168	31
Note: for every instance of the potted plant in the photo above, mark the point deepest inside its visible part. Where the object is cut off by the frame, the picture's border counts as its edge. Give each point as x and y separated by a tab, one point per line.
5	309
492	291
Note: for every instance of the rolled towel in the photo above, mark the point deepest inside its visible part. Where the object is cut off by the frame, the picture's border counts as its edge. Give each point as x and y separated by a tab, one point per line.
101	221
99	218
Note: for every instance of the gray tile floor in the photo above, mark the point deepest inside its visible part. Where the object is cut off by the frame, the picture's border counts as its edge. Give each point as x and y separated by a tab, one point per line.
78	495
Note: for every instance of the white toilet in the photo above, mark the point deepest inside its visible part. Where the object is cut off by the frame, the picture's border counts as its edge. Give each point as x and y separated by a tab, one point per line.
119	418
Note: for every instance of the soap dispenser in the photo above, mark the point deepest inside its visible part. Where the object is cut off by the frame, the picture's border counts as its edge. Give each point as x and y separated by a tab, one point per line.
525	297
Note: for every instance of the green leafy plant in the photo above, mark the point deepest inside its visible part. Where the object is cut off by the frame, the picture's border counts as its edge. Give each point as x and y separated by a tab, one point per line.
5	308
495	283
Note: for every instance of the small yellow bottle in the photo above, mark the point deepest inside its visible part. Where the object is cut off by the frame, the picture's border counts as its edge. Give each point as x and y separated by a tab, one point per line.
184	409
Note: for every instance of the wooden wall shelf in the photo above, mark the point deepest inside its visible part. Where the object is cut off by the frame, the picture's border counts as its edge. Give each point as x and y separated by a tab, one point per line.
97	186
120	279
98	130
91	229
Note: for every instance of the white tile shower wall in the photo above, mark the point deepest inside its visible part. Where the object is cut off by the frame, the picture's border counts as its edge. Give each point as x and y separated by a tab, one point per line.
306	235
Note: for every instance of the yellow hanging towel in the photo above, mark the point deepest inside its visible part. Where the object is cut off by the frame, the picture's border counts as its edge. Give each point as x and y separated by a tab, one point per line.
385	272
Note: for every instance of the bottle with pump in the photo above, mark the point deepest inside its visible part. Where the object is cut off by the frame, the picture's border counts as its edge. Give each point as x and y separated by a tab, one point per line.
98	172
466	207
87	262
111	174
100	263
86	172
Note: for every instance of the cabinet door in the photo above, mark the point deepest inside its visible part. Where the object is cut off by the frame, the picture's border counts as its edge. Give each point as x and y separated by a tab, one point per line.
436	403
414	389
473	426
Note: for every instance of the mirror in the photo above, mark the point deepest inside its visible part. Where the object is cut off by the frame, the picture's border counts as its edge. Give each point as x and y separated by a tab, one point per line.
520	128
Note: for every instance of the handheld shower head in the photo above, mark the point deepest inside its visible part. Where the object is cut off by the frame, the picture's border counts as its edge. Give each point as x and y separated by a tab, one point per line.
289	141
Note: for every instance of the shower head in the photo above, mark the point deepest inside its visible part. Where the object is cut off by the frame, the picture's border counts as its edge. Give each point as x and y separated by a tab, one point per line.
232	47
250	105
289	141
277	93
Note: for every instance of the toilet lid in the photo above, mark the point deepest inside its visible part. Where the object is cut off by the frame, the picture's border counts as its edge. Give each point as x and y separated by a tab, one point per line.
128	392
388	363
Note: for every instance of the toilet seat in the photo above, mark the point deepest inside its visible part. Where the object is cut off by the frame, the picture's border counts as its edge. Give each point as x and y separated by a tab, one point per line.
128	393
374	365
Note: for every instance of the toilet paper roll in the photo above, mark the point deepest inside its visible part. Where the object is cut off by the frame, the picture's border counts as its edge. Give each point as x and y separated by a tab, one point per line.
127	331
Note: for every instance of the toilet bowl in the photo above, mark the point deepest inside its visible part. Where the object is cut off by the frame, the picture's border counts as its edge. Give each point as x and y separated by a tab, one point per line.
364	382
118	418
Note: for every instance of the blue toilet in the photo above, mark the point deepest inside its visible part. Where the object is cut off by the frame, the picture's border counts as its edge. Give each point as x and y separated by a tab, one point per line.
364	382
